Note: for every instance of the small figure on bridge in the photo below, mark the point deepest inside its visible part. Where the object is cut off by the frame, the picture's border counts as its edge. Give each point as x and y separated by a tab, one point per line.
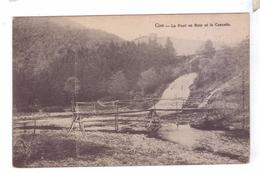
153	121
177	124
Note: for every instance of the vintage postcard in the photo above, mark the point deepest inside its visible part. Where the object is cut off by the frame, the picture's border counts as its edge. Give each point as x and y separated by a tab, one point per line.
129	90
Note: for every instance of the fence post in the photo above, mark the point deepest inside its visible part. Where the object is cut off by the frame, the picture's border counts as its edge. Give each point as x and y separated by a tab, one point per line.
34	127
176	104
153	104
95	111
116	117
243	99
24	129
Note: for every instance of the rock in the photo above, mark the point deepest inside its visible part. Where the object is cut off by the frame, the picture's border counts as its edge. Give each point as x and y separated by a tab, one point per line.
203	148
210	122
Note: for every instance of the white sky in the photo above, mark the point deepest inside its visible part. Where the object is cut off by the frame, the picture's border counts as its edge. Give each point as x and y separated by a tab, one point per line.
131	27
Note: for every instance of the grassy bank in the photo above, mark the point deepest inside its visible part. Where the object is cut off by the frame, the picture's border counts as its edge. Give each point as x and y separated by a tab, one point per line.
100	145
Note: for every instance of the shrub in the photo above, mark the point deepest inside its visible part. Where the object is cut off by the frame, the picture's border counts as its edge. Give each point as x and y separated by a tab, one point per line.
149	80
27	109
53	109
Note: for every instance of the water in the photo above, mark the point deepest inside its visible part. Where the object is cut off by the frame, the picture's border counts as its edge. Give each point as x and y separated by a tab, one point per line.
205	101
184	134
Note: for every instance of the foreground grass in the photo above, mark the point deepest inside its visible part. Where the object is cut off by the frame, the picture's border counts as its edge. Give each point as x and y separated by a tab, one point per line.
57	148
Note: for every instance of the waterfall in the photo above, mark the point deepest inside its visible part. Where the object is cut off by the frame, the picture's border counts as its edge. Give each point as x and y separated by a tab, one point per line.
205	101
178	90
220	88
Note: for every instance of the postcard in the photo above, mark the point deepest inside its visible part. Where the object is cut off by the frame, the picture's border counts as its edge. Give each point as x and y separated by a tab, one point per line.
128	90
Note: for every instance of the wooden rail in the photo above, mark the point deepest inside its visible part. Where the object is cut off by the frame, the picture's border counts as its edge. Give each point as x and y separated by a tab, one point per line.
113	108
79	111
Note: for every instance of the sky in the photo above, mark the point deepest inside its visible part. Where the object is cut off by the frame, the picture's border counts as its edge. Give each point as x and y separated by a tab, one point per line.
130	27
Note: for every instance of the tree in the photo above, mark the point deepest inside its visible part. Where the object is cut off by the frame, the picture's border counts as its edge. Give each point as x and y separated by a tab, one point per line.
169	47
241	53
207	50
118	85
72	87
148	80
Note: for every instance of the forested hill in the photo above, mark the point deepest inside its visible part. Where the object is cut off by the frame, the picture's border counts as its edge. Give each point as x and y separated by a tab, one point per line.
40	38
49	57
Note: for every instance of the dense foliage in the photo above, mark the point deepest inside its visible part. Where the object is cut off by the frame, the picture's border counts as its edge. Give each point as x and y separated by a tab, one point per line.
47	59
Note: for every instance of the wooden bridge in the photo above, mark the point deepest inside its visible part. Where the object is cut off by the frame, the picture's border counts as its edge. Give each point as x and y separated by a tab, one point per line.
150	106
153	112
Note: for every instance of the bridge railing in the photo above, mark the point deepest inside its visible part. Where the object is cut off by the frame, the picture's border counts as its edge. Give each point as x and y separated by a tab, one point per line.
127	106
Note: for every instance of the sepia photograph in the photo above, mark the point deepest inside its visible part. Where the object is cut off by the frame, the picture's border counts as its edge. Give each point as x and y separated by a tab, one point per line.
131	90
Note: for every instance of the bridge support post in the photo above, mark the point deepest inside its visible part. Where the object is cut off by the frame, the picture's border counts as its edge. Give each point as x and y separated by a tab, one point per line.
24	127
77	119
116	118
34	126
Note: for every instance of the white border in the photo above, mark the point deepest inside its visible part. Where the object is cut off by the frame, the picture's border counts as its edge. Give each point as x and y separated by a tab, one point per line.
11	8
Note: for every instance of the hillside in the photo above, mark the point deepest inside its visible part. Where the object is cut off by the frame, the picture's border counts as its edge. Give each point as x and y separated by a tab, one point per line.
42	38
223	84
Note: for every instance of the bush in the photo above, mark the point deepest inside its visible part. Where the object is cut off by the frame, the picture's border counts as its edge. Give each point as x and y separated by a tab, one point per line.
53	109
118	86
149	80
27	109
